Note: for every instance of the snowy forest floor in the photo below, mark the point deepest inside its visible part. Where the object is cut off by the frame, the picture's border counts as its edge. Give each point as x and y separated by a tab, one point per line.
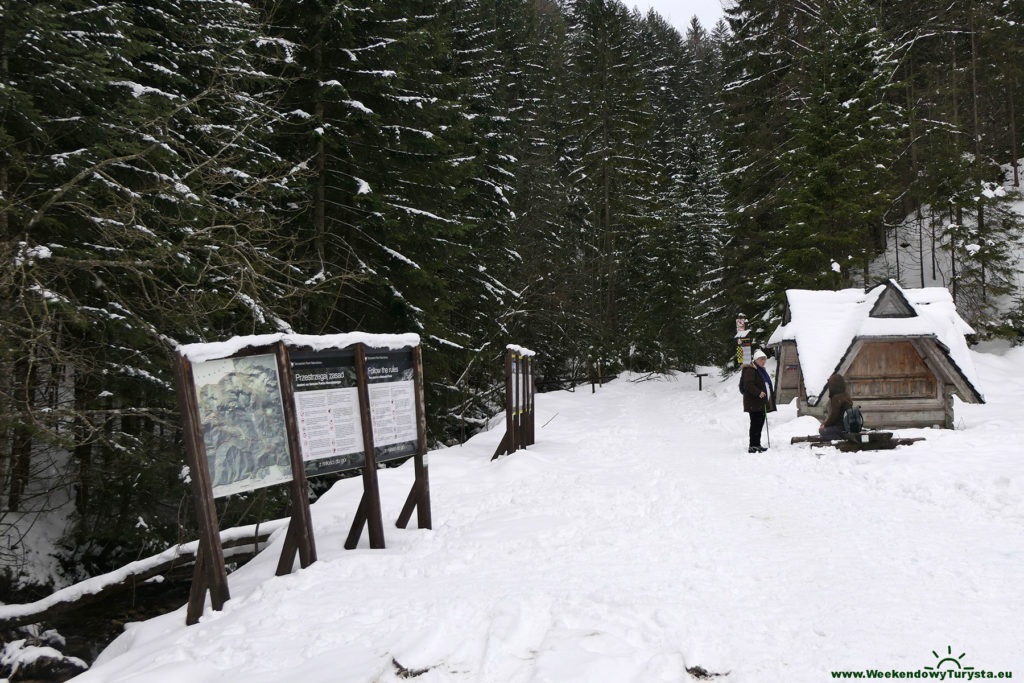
638	540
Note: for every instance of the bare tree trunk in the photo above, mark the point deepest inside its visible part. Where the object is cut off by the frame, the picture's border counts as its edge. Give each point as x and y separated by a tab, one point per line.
920	244
4	162
21	442
609	314
319	208
977	139
1013	129
952	251
896	243
981	241
974	90
933	246
82	453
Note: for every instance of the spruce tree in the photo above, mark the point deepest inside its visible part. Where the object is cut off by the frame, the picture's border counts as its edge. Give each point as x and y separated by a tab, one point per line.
142	212
839	179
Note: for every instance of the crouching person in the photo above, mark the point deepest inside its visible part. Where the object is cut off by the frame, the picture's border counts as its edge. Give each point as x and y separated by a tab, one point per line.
838	402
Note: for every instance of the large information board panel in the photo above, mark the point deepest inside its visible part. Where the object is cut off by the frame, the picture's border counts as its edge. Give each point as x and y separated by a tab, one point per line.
327	411
390	375
243	424
268	409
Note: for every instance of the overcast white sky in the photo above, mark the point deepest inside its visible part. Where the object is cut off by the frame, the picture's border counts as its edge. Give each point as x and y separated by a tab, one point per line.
678	12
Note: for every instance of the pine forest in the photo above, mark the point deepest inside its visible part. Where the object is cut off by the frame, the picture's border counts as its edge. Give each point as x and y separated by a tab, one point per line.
572	176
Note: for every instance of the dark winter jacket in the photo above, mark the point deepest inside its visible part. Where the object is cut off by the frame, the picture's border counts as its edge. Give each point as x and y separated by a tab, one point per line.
838	401
753	386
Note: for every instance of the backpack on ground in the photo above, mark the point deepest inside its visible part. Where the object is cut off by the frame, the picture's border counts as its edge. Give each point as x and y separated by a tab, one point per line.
853	421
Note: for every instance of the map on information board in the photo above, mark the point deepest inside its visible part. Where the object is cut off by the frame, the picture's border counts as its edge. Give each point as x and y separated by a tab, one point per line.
242	418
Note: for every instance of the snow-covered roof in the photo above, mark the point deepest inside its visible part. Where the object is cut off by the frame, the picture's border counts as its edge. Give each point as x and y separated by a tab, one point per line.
825	323
214	350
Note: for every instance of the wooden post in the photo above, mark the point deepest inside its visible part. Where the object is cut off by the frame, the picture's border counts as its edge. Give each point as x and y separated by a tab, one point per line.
369	507
209	574
517	401
356	530
419	495
531	430
299	537
507	443
527	400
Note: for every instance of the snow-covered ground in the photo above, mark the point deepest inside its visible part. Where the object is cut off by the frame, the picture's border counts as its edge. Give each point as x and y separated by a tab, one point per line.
638	539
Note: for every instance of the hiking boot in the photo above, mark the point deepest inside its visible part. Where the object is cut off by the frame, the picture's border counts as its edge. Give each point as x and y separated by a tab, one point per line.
753	449
761	449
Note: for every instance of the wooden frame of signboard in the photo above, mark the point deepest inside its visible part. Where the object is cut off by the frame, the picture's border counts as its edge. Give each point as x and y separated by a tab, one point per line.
210	573
519	401
369	511
299	537
419	494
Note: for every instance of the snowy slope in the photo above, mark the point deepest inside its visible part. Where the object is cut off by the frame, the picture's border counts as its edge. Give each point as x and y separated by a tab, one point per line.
922	262
638	539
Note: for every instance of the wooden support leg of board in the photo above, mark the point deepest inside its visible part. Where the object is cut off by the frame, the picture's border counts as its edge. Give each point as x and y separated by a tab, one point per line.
291	547
197	594
297	541
357	525
419	498
411	502
505	446
203	580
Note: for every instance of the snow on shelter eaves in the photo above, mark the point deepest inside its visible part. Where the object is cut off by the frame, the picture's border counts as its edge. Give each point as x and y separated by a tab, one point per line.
825	323
211	351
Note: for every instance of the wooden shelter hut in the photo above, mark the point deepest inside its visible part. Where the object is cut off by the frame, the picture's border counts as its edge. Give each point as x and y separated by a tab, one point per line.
903	353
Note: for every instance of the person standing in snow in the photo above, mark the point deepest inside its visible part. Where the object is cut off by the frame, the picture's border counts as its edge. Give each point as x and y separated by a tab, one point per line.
758	398
838	402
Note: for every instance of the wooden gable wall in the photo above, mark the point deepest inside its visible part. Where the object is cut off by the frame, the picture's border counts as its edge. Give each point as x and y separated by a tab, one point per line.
890	369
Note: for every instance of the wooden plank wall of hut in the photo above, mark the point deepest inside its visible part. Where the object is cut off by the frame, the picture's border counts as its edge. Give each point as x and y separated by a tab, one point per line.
894	386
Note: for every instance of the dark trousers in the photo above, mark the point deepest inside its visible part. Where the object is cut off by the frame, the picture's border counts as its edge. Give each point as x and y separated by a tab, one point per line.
833	432
756	424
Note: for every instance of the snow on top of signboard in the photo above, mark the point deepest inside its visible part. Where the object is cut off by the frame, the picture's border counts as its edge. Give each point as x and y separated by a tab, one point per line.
521	350
824	324
339	341
211	351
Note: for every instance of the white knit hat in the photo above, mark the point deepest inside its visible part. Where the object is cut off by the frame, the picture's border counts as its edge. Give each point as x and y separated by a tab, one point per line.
759	354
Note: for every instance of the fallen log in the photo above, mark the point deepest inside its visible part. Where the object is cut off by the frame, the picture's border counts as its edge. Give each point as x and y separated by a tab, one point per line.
859	441
239	543
809	439
855	437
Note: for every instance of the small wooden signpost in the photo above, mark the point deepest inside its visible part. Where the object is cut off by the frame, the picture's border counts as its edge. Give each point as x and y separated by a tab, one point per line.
742	342
270	409
519	401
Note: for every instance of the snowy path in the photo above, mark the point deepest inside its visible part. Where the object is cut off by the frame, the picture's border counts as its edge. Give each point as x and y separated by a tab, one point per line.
635	540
